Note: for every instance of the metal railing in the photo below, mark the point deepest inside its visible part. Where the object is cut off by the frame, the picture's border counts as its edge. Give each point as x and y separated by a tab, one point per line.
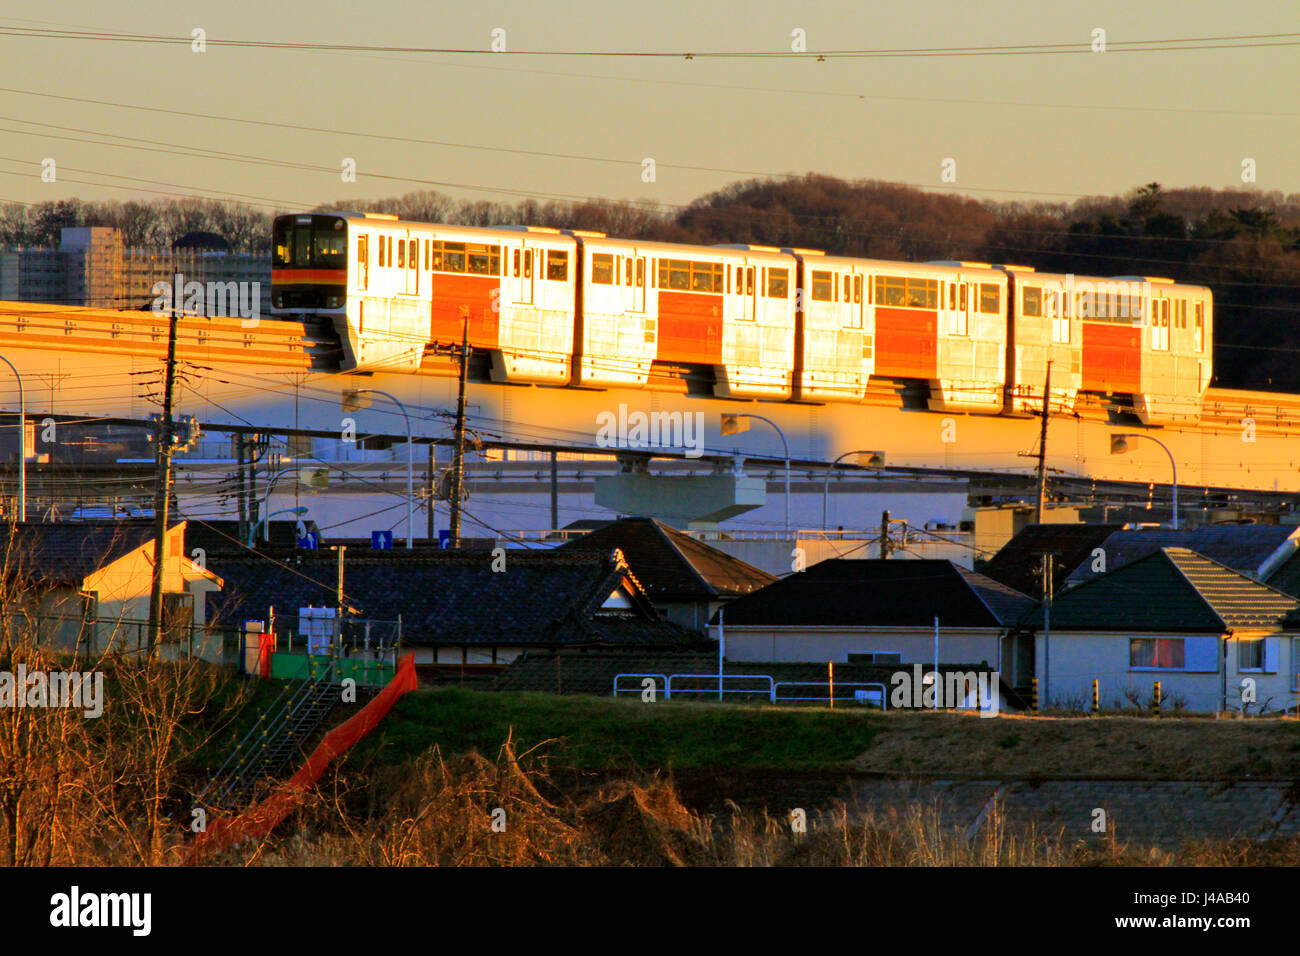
716	684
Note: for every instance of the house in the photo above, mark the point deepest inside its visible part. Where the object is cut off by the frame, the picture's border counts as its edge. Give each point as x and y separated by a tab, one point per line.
1205	631
1255	550
457	609
875	611
64	575
686	579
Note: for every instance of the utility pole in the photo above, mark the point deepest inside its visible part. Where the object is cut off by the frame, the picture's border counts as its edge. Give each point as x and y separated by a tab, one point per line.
884	534
433	463
1042	448
458	459
162	494
555	491
1048	557
239	486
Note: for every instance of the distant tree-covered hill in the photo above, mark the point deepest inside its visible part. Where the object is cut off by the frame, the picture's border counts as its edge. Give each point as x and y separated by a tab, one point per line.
1243	244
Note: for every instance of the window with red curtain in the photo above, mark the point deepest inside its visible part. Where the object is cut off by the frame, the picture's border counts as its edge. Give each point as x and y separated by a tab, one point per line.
1161	652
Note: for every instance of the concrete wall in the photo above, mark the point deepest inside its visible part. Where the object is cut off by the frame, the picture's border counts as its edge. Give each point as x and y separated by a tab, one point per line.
1075	659
818	645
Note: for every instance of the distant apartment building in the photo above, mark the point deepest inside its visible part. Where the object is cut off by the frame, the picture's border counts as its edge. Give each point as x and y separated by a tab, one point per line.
92	268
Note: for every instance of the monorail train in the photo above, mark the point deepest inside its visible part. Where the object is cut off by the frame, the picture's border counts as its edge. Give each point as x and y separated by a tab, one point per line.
568	307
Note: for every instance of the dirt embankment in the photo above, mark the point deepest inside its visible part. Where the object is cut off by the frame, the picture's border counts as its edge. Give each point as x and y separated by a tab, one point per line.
1109	747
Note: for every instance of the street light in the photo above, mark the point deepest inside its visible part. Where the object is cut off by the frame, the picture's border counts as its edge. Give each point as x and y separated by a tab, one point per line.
731	425
351	402
318	479
866	459
1119	445
22	444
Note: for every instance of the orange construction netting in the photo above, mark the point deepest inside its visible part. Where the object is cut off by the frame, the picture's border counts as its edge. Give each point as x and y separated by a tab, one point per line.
258	821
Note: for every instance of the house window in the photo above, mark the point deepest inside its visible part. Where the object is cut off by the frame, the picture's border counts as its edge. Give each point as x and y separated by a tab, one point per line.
1258	655
1156	653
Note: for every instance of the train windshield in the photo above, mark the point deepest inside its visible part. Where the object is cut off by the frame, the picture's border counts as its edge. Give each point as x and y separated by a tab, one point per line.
310	242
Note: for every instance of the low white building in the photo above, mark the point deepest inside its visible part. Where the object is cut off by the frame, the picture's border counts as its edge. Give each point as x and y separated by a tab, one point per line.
1214	639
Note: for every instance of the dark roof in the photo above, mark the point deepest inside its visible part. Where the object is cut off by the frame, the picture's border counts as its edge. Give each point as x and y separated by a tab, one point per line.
1019	564
671	565
67	552
545	598
846	592
1242	547
1173	589
1286	576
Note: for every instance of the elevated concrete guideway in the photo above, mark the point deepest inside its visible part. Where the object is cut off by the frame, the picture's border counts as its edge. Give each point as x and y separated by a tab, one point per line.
282	376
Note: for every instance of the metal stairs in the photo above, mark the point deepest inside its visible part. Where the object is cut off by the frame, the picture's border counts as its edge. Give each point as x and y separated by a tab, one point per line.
278	737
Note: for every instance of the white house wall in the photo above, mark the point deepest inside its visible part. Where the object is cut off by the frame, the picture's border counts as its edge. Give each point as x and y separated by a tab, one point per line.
1076	659
819	645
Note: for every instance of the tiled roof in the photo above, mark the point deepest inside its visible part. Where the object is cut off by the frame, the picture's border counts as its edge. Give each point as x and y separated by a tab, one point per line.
1173	589
545	598
67	552
844	592
1242	547
671	565
1019	565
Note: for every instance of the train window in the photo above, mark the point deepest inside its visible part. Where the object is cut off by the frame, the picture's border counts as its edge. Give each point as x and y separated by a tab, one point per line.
627	263
528	263
516	266
480	261
413	254
1031	302
684	276
952	296
382	258
749	281
961	297
821	286
740	280
778	283
990	298
848	286
640	273
602	268
363	261
857	290
1200	326
557	265
907	292
401	254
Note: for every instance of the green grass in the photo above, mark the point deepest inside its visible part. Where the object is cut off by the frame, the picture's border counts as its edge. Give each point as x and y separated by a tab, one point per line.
593	733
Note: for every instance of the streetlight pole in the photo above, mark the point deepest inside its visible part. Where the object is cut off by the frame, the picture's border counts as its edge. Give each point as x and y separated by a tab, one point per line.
1119	445
266	504
826	481
730	428
22	444
350	404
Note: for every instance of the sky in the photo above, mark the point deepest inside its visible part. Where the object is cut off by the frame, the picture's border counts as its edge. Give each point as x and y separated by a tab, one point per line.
1038	127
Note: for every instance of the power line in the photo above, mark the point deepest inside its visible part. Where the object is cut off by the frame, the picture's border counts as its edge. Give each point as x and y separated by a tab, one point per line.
1215	42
